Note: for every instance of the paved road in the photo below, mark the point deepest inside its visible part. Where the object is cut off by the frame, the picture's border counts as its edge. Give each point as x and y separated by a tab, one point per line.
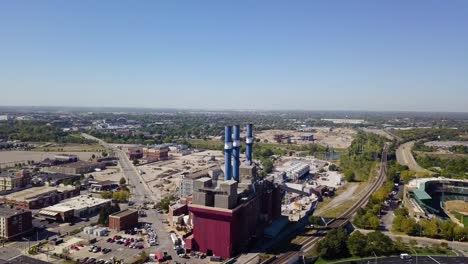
414	260
405	157
140	191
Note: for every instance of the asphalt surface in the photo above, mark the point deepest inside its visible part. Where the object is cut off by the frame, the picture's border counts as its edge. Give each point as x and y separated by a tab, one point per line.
405	157
413	260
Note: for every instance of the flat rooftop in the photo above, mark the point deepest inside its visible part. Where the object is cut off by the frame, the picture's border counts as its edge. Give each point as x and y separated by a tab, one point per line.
123	213
416	183
56	176
77	203
77	164
34	192
7	211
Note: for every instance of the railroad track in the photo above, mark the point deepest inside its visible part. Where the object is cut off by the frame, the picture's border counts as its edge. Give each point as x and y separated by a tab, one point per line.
345	217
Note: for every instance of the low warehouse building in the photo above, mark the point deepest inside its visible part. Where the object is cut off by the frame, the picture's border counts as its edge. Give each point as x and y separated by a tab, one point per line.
80	207
40	197
79	167
124	219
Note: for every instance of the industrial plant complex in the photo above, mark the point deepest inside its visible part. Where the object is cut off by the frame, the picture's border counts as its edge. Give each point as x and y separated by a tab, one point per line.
228	212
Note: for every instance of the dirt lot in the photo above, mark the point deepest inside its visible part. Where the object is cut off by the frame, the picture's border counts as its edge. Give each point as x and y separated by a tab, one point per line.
165	176
458	206
70	147
110	173
339	138
23	156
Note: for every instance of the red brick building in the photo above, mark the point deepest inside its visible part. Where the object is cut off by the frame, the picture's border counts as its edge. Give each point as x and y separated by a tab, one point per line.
156	153
135	153
226	232
124	219
14	223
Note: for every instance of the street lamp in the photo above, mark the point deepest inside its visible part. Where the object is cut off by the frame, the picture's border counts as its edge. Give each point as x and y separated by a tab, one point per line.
415	252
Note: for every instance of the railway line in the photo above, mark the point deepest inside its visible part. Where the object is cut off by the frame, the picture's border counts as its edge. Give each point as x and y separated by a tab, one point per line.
344	218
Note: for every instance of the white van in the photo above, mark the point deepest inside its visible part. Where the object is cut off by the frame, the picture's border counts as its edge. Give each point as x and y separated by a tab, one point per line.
405	256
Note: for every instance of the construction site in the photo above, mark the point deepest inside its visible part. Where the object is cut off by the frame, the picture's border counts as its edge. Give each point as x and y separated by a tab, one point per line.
338	138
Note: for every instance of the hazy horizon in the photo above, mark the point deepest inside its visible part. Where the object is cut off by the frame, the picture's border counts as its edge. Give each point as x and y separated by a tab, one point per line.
263	55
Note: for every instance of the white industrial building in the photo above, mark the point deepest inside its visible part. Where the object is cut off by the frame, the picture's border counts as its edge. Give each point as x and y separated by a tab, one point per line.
297	171
96	231
82	206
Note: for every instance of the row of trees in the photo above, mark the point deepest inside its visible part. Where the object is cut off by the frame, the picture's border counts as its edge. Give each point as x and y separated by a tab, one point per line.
369	216
39	132
119	196
363	154
460	149
452	167
338	244
433	228
429	134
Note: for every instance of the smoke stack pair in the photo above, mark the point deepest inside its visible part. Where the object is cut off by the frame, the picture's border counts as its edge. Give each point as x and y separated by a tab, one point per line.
232	150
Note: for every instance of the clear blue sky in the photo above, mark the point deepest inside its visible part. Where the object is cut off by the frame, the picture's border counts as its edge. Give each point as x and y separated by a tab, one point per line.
311	55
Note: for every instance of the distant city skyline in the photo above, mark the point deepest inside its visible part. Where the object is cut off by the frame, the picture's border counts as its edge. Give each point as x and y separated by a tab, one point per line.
268	55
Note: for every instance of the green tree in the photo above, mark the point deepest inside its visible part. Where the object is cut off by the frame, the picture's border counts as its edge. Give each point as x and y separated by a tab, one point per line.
106	195
315	220
409	226
334	246
379	243
430	228
349	176
357	244
333	167
104	216
459	233
267	165
122	181
401	212
447	229
121	196
374	222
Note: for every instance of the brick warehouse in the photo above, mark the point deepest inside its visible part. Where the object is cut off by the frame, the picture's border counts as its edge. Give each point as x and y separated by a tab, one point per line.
14	223
124	219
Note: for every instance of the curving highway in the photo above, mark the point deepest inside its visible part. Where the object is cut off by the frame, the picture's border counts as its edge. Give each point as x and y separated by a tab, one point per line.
405	157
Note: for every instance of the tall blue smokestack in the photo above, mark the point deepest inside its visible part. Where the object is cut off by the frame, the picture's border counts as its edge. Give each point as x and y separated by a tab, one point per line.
249	143
236	153
227	152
